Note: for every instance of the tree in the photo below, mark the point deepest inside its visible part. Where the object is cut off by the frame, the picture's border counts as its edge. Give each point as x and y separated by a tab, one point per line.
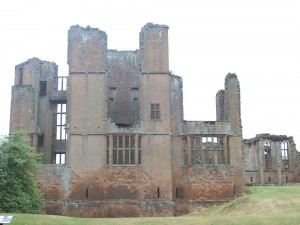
19	167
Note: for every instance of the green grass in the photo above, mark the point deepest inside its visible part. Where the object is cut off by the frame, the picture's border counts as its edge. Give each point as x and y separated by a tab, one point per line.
260	205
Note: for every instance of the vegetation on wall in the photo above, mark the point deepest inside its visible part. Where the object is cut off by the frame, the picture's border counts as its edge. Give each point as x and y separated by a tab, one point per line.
19	166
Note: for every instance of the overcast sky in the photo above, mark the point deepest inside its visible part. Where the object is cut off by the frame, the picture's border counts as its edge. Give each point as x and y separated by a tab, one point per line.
259	40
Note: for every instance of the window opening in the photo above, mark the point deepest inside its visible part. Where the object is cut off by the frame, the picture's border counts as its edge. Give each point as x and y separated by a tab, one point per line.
158	193
21	74
177	193
251	179
43	88
61	121
215	140
209	139
155	112
41	140
62	83
86	193
284	150
111	102
268	155
206	150
60	158
123	149
107	150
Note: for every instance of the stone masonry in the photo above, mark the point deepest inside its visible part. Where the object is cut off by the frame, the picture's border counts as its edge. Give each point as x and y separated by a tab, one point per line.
113	136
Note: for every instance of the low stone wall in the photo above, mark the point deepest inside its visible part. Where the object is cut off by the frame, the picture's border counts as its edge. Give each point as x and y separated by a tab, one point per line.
110	208
125	208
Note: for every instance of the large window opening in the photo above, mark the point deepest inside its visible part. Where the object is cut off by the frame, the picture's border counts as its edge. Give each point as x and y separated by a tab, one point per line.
126	150
206	150
285	155
284	150
268	155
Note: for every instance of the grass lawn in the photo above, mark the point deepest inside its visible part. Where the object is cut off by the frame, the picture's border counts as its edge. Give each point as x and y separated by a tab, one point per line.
260	205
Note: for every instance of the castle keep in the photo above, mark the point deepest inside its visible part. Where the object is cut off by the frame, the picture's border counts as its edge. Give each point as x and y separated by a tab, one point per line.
113	136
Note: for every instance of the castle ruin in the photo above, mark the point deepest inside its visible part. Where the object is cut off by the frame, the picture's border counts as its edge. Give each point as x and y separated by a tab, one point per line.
113	136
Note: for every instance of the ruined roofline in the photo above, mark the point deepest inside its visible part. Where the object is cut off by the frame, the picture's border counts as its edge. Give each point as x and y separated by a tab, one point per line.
32	60
152	25
77	28
231	75
220	92
87	28
266	136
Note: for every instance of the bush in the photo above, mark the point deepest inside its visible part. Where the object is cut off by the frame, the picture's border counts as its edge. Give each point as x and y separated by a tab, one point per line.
19	167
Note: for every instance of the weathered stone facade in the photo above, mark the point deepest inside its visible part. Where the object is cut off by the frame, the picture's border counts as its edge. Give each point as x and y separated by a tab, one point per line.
271	159
112	133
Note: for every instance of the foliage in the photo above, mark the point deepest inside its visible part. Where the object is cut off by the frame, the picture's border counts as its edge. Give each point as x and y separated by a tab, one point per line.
19	166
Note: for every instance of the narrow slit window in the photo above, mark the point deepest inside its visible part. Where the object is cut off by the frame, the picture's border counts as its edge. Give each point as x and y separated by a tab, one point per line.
86	193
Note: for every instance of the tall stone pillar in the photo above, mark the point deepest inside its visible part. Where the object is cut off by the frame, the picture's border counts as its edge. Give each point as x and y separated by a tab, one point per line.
278	161
260	162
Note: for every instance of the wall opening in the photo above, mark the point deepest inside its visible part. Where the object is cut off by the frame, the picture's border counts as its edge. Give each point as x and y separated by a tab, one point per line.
20	80
125	150
62	83
61	114
268	155
205	150
41	140
60	158
155	112
43	88
86	193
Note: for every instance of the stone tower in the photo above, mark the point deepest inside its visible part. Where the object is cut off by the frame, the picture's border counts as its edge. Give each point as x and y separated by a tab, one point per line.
36	92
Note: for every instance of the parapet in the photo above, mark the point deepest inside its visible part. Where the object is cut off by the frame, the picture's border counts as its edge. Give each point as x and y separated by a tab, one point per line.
206	127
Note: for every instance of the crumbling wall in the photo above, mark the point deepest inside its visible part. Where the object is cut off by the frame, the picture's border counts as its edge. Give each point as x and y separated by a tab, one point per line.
265	163
123	81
